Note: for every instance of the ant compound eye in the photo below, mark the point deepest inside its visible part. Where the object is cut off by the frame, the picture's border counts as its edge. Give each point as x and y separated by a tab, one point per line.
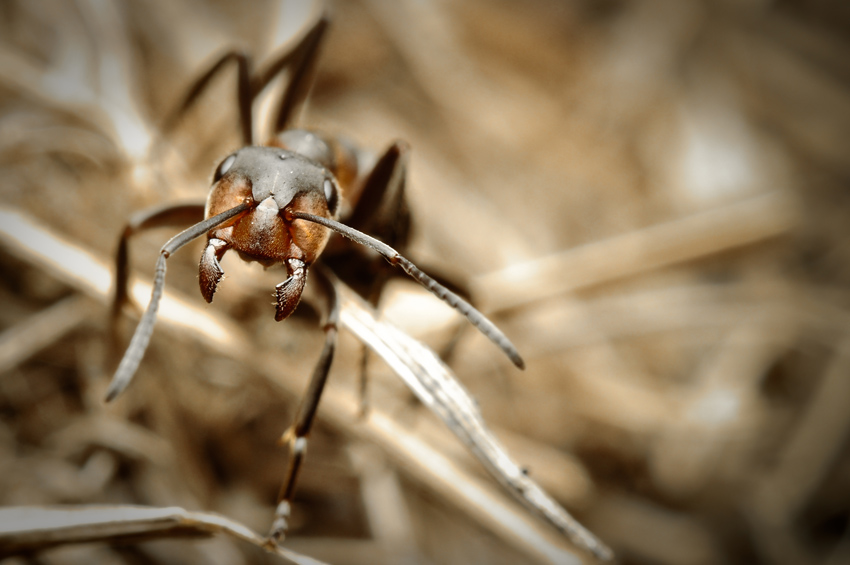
331	196
223	168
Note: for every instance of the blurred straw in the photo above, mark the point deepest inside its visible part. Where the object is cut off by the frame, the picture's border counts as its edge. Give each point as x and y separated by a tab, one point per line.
813	447
26	529
746	222
20	342
723	402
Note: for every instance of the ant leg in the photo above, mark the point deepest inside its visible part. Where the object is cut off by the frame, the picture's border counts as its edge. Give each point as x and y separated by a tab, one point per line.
244	93
382	210
139	343
156	217
300	60
296	435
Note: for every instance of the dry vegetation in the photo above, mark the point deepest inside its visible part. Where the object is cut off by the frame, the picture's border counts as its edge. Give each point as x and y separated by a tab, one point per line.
649	197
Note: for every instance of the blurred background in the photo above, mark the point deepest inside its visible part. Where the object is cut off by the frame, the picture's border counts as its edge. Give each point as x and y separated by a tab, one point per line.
650	198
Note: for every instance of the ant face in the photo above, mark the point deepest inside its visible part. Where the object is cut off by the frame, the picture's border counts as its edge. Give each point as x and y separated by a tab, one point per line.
275	184
280	174
278	182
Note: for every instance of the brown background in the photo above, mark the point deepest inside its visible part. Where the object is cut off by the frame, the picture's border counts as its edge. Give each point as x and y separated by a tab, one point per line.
650	198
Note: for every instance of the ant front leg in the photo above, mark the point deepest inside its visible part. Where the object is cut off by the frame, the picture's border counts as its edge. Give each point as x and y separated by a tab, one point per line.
156	217
296	436
139	342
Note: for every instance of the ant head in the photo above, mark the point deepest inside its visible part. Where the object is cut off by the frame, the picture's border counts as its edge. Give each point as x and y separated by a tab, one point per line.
283	175
276	183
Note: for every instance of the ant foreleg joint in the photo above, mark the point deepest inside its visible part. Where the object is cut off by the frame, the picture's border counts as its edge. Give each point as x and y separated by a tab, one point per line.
281	522
297	451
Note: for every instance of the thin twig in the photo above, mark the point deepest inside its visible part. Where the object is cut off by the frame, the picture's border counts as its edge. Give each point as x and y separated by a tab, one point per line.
26	528
437	388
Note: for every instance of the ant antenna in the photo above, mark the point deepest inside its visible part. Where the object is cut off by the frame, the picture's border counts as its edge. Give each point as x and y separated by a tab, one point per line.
475	317
139	343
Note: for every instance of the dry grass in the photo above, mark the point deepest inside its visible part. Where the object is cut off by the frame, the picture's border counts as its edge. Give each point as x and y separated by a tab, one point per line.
650	198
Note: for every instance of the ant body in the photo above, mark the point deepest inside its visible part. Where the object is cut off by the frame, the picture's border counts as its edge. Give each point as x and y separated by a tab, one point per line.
280	204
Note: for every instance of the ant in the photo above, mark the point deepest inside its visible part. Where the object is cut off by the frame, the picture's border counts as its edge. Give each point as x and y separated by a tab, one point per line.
279	204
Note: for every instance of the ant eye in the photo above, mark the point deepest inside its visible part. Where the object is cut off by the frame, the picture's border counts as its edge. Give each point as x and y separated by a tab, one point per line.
223	168
331	196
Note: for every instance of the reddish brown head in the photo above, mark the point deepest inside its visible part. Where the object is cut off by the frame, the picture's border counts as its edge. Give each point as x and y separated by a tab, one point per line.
278	182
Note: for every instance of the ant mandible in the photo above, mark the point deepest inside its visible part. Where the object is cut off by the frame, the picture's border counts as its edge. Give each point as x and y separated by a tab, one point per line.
279	204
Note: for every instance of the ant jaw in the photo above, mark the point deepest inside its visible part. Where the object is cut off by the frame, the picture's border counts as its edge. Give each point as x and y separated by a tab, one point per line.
209	270
288	293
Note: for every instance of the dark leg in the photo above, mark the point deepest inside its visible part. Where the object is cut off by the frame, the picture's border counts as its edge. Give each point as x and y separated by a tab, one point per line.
300	61
382	211
244	93
139	343
157	217
296	436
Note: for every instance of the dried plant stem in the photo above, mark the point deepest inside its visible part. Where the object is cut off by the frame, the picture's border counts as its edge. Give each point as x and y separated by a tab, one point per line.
728	227
25	529
32	335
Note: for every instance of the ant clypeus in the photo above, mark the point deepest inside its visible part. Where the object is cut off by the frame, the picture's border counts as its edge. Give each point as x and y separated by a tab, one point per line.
280	203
